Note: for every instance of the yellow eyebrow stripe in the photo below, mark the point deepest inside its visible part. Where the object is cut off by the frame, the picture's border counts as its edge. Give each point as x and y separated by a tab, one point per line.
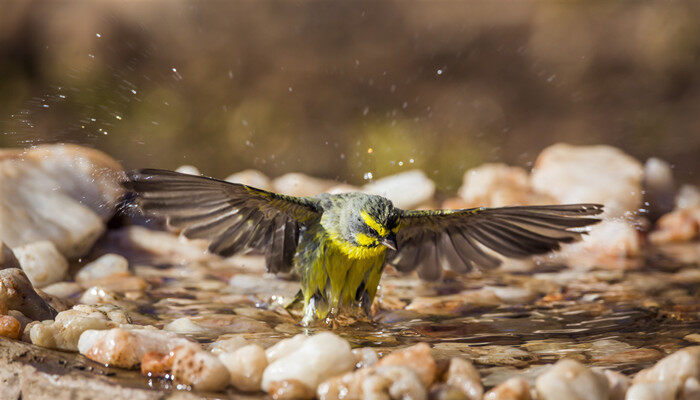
365	240
372	223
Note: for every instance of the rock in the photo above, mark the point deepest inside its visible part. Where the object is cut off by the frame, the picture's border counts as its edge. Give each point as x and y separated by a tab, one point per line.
64	332
98	295
688	197
416	357
297	184
570	380
143	244
156	365
406	189
461	374
365	357
513	295
610	244
188	169
285	347
658	187
17	293
513	389
42	263
63	290
446	392
290	389
318	358
393	382
124	347
199	369
618	384
681	225
651	391
228	345
590	174
671	374
7	257
251	177
224	323
10	327
59	193
498	185
246	366
107	266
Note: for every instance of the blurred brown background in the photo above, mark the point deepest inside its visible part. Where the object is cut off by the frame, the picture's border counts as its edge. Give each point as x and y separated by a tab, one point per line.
311	86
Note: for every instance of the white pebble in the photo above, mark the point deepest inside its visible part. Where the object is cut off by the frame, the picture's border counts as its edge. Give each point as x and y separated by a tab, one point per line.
105	266
42	262
246	366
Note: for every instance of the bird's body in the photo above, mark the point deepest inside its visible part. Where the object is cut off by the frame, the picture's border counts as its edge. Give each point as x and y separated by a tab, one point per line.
339	244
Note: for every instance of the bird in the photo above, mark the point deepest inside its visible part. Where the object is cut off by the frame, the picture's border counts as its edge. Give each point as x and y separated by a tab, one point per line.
339	244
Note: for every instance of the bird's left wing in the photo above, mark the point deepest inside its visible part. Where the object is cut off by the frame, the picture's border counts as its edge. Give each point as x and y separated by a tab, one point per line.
452	239
232	216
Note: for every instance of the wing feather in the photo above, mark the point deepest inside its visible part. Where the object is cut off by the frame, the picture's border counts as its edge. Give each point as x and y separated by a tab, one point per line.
456	239
232	216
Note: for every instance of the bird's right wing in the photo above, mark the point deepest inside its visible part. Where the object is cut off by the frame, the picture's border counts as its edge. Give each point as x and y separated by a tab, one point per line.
232	216
433	240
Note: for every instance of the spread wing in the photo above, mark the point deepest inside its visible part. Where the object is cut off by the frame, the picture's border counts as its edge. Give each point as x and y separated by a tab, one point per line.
434	240
234	217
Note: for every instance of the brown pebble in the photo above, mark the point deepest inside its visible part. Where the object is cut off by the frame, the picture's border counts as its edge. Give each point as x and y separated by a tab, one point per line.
10	327
416	357
154	364
289	389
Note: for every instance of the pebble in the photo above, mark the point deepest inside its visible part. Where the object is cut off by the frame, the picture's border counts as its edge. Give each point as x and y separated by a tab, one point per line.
7	257
42	262
659	187
680	225
463	375
610	244
125	347
251	177
64	332
228	345
199	369
157	246
590	174
245	366
99	295
318	358
60	193
63	290
107	266
223	323
154	364
285	347
17	293
515	388
652	391
671	374
289	389
365	357
405	190
393	382
618	384
297	184
570	380
188	169
10	327
512	294
419	359
498	185
688	197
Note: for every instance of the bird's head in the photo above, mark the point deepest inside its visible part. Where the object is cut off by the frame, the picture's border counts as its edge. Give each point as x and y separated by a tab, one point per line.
366	225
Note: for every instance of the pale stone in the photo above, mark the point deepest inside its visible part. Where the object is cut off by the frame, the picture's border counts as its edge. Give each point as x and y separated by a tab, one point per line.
680	225
610	244
285	347
228	345
651	391
161	247
124	347
251	177
318	358
416	357
393	382
590	174
498	185
199	369
64	332
188	169
59	193
463	375
17	293
290	389
365	357
245	366
513	389
658	187
513	295
63	289
570	380
184	325
98	295
405	190
618	384
42	262
688	197
297	184
108	265
672	372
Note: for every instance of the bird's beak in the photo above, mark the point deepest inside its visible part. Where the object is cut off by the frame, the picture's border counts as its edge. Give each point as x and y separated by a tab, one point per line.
389	242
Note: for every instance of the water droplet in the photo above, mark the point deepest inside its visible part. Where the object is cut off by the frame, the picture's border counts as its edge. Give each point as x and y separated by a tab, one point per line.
98	35
439	71
365	111
370	150
118	117
411	161
400	163
133	91
368	176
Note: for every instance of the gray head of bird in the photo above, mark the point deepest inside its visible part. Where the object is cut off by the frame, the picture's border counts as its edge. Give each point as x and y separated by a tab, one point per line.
365	221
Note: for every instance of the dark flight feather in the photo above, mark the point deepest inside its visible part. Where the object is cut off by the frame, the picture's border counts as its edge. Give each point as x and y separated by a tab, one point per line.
234	217
430	240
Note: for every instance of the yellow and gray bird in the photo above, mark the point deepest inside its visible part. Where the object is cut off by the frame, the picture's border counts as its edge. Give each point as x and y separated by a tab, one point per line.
339	244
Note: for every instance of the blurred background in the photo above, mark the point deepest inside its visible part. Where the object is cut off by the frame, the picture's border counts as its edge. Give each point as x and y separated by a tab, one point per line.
340	89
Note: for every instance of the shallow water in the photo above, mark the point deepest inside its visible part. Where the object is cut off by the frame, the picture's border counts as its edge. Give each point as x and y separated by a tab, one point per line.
625	320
